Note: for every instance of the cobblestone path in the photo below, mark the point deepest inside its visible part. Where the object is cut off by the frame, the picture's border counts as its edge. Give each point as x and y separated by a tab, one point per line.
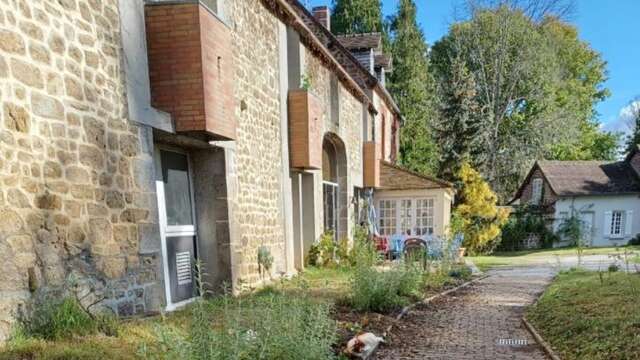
482	321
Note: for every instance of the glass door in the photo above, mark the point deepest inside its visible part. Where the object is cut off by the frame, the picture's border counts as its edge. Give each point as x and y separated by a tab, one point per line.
177	225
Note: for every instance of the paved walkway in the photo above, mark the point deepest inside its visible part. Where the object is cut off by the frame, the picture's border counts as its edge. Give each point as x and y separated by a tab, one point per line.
482	321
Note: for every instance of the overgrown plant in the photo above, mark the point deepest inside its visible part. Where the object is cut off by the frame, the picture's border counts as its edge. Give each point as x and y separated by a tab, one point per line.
523	222
265	260
574	230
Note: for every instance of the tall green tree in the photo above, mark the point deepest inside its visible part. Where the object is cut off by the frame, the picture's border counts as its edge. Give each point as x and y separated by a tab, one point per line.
633	139
412	87
357	16
537	85
457	129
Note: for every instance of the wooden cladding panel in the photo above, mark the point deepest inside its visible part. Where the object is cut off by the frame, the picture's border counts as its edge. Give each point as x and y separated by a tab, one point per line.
305	130
372	157
190	68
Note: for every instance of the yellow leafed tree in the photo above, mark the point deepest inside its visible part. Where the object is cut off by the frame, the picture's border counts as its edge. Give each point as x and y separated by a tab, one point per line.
481	218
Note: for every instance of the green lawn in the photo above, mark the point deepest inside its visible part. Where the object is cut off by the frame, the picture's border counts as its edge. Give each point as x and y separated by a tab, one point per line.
590	315
529	257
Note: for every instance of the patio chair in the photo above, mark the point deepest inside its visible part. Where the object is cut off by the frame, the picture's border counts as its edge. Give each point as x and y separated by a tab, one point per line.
415	249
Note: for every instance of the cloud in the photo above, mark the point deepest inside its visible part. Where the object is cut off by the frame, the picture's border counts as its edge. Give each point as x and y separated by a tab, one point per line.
624	122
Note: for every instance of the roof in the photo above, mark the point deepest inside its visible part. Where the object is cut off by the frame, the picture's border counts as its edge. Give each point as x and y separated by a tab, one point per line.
383	60
361	41
395	177
284	11
581	178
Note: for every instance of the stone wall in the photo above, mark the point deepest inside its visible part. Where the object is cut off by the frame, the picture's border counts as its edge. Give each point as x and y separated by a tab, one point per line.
76	182
347	128
257	207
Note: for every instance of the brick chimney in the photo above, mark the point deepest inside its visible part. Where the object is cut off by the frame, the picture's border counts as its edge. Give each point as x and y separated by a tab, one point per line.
323	15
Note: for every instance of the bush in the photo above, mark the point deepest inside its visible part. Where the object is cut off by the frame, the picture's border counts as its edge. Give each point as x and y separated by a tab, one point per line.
53	319
460	272
635	240
382	291
269	325
521	224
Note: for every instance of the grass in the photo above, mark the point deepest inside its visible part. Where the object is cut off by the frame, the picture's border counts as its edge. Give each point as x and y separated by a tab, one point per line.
529	257
142	338
590	315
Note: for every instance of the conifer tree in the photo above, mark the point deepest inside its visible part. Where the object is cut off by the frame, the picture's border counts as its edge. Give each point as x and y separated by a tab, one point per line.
457	129
356	16
482	219
633	139
411	86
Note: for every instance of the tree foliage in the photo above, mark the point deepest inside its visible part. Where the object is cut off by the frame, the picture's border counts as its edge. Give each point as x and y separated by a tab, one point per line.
411	85
356	16
481	217
536	87
633	139
457	131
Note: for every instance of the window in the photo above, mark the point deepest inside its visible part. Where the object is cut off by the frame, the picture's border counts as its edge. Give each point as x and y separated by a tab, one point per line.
424	217
330	194
536	192
406	216
617	227
387	217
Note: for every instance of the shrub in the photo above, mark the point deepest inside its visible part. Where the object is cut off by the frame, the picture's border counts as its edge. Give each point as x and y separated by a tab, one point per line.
385	290
460	272
269	325
523	222
323	253
635	240
53	319
613	268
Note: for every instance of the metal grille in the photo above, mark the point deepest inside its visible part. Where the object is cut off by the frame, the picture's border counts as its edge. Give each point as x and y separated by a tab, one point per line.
183	267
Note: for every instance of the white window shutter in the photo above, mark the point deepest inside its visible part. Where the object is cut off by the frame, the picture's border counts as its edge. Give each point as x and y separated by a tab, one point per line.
628	222
607	223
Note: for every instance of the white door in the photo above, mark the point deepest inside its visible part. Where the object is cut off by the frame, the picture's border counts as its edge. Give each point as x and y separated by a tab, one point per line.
586	220
177	225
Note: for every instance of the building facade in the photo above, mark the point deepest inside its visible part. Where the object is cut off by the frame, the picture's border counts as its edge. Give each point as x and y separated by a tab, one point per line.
140	138
603	196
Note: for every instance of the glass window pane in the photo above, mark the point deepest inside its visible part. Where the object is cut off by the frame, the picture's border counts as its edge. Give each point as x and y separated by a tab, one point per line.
177	192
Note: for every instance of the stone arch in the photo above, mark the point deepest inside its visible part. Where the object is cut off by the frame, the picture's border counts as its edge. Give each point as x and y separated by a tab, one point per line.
335	178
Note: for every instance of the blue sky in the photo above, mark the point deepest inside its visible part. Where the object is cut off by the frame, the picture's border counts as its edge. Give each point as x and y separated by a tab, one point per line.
611	27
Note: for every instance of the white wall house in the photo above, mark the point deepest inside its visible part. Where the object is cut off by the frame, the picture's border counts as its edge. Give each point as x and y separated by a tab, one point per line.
606	220
605	196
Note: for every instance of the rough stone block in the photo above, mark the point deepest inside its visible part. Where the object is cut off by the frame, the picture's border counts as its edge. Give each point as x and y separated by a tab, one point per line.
16	118
46	106
149	238
27	74
17	199
12	42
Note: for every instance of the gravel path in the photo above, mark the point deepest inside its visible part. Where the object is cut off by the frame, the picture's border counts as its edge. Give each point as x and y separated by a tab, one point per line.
482	321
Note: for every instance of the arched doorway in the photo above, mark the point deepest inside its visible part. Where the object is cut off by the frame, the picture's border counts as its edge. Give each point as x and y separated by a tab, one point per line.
334	186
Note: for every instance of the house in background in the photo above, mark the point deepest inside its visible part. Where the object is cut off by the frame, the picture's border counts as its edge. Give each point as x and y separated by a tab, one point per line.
605	196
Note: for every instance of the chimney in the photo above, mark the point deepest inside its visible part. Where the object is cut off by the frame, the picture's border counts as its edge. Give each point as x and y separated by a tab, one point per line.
323	15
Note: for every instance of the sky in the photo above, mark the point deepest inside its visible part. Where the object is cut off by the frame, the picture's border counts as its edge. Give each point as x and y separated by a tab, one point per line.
609	26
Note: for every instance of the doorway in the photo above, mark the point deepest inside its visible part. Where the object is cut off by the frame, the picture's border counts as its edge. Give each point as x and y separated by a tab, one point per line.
176	212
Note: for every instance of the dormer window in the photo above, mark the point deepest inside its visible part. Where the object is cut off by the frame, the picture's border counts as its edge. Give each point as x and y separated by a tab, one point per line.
536	191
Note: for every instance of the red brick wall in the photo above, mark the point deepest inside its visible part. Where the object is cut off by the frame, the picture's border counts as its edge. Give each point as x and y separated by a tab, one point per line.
548	198
190	68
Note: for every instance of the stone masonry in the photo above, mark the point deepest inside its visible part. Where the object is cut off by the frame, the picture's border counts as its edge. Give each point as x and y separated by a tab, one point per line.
76	188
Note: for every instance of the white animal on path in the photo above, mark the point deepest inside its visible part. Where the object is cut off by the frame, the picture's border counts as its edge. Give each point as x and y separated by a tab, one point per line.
363	345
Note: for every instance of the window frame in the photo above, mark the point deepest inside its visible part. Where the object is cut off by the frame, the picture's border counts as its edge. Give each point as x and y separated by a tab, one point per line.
619	222
403	215
536	190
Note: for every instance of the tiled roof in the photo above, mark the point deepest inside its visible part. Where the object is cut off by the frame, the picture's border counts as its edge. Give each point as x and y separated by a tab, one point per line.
383	60
569	178
361	41
394	177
